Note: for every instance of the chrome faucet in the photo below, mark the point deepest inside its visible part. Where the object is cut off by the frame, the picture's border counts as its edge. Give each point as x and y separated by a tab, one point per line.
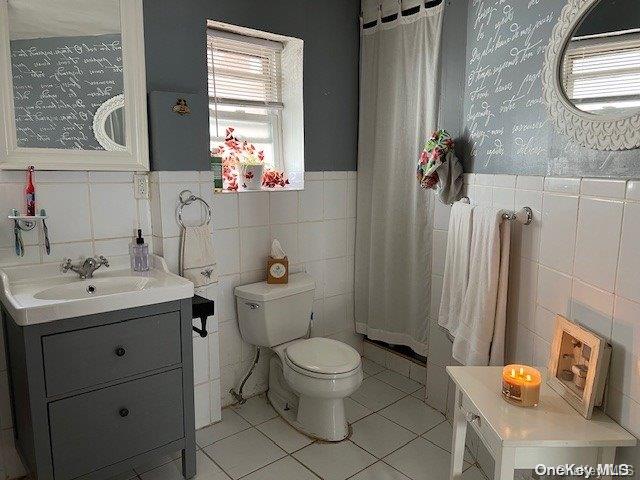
85	268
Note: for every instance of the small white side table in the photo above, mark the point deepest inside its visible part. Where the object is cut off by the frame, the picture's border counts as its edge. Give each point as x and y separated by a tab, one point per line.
552	433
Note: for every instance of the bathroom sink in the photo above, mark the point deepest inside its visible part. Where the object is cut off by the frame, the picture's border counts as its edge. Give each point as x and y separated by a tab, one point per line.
41	293
93	287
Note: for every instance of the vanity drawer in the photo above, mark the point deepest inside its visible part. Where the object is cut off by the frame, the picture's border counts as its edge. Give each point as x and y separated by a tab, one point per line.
97	429
82	358
487	436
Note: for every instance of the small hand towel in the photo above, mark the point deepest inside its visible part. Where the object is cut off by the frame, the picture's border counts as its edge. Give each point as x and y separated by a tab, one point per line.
197	259
449	183
456	266
480	336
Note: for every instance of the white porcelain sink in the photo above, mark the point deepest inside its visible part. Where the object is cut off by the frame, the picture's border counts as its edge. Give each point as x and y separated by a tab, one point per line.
95	287
41	293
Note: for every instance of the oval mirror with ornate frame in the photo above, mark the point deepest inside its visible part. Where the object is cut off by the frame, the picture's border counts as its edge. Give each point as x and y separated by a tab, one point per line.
591	75
108	124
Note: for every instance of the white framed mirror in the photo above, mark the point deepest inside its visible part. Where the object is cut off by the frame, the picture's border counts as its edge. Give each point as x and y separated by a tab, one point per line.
591	75
72	85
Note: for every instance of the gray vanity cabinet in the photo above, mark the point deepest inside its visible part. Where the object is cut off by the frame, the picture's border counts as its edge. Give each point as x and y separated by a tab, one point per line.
95	396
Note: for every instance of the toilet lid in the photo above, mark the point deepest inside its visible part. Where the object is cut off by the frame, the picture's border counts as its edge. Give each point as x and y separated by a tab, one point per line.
323	355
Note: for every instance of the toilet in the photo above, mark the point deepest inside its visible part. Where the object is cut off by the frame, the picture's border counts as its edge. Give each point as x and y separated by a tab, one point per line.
309	378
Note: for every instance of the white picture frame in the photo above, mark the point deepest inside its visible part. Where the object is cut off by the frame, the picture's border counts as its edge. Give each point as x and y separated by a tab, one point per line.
583	399
136	155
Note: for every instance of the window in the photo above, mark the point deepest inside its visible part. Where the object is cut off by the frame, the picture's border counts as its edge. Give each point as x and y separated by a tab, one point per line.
245	91
253	92
603	73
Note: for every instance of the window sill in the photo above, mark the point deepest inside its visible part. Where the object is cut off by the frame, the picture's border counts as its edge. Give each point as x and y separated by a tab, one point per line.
289	188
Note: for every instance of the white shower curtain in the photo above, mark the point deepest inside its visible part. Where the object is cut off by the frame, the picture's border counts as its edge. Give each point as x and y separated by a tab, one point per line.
398	110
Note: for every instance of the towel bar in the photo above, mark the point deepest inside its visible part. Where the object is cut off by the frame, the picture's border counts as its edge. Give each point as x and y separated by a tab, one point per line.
187	198
524	215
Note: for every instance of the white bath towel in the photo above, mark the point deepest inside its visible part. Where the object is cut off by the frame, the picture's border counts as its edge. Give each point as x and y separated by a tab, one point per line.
456	266
197	259
480	336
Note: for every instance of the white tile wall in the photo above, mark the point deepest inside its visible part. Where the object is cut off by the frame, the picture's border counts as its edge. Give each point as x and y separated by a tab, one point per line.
579	258
88	214
315	226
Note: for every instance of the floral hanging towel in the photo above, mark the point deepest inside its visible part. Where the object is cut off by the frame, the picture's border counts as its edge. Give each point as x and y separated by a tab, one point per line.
439	168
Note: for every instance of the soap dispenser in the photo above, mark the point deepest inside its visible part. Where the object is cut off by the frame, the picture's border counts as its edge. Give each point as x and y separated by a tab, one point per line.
139	254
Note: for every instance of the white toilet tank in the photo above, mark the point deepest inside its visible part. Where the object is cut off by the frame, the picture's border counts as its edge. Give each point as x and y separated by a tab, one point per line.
271	315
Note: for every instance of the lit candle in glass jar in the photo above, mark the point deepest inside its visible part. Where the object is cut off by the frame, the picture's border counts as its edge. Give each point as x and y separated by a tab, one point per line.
521	385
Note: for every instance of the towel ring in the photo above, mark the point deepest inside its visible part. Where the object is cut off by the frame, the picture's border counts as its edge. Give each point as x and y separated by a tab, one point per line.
186	197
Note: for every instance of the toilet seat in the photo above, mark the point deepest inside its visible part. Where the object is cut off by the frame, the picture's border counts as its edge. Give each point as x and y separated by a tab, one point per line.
322	358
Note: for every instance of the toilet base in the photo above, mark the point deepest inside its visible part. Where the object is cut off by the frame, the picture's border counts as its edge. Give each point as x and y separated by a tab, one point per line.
321	419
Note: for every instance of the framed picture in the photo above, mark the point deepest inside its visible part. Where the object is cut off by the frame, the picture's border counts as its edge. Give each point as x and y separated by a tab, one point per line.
578	365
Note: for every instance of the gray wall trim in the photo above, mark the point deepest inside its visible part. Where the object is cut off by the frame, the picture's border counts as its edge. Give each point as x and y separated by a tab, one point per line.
176	61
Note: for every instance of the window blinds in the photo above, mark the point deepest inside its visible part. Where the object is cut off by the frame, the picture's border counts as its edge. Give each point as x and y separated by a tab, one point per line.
243	70
604	71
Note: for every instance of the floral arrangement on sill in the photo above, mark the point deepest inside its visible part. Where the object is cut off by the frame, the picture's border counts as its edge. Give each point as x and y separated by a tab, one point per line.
243	165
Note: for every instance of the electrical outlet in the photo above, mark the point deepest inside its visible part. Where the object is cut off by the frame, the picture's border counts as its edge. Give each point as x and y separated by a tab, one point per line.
141	185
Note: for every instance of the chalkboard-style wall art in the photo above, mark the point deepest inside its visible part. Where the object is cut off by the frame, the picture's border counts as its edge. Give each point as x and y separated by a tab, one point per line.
505	120
58	85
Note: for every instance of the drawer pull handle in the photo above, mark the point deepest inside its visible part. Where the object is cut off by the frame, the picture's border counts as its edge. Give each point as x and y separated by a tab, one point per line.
124	412
252	306
120	351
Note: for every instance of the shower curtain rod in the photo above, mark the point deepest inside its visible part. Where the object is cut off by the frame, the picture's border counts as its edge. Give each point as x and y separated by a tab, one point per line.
524	215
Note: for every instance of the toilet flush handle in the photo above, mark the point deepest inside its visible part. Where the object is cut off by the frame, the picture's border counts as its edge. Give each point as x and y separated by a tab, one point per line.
252	306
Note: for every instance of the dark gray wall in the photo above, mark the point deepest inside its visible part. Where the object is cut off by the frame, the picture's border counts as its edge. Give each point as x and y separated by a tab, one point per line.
506	125
176	61
452	73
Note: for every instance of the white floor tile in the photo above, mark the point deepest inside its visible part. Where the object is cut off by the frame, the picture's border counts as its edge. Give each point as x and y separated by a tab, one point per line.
231	424
441	436
421	460
257	410
285	469
354	410
413	414
398	381
376	395
380	471
206	470
370	367
244	453
473	473
380	436
420	394
284	435
334	461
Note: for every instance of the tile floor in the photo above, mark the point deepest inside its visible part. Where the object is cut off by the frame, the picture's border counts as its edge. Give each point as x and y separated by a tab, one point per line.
396	436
